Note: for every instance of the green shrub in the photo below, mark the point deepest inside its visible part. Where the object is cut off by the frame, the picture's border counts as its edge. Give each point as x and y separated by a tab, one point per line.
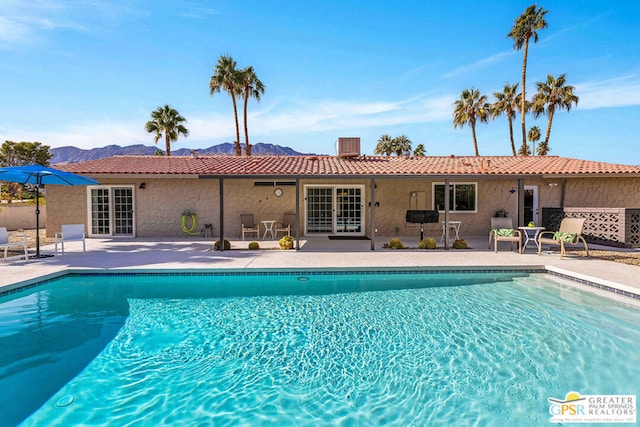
428	243
227	245
460	244
395	243
254	246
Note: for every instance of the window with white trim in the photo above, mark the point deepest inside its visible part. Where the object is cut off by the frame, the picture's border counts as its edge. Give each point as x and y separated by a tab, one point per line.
463	197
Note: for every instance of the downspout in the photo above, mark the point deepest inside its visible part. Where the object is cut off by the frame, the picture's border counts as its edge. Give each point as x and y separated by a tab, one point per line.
521	202
373	214
447	200
297	214
221	213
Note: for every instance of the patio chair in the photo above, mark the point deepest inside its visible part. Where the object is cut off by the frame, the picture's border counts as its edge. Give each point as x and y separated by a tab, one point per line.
287	225
570	232
502	231
4	243
69	233
248	225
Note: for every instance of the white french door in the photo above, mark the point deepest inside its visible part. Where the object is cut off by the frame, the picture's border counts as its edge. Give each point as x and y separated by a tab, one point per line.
531	204
111	211
334	209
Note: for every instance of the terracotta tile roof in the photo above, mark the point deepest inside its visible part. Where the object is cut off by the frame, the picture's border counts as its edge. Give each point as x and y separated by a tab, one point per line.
284	166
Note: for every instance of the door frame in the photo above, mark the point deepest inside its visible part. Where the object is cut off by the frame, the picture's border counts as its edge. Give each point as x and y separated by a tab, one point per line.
535	207
110	188
334	210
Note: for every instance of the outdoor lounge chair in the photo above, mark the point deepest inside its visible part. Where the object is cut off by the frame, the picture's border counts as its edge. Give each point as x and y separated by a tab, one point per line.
502	231
69	233
287	225
4	243
248	225
570	232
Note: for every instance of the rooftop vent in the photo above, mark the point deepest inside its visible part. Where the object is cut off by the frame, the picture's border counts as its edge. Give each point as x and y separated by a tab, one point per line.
348	147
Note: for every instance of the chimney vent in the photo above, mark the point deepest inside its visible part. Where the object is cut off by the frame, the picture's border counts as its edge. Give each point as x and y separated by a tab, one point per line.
348	147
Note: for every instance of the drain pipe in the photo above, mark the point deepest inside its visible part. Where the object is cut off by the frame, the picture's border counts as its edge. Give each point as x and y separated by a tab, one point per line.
446	213
221	187
373	214
297	214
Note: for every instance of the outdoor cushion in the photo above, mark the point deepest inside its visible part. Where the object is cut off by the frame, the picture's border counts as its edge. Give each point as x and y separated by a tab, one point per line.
504	232
565	237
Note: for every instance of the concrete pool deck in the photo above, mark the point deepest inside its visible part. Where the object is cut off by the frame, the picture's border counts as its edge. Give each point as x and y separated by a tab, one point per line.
315	252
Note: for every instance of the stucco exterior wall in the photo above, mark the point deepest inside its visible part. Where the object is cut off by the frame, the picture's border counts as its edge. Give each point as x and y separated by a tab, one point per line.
159	206
65	205
601	193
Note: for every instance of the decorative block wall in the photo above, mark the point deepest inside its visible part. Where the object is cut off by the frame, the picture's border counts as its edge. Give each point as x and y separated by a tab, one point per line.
606	226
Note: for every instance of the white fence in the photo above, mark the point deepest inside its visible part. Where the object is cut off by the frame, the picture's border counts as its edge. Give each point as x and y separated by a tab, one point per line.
15	216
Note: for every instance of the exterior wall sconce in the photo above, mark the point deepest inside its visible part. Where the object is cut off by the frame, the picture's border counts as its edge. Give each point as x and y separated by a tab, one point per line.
553	184
413	194
513	190
142	185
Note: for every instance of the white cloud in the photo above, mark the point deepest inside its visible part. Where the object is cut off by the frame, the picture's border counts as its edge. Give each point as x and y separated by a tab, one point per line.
465	69
621	91
25	22
275	119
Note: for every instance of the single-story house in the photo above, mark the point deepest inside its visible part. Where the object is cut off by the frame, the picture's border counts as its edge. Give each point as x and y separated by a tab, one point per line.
347	194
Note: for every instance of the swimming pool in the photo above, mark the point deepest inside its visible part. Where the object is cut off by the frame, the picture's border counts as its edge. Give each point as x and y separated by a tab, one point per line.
308	348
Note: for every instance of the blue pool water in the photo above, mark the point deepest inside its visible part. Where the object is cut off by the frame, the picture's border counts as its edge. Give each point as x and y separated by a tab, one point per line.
308	349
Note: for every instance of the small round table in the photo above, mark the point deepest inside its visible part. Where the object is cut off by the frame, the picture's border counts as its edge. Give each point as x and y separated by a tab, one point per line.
530	235
268	229
453	225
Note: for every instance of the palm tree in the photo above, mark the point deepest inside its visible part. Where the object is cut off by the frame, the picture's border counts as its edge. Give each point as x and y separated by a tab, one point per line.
384	146
401	145
420	150
471	107
534	137
524	150
543	148
554	94
226	77
507	103
168	121
524	28
251	87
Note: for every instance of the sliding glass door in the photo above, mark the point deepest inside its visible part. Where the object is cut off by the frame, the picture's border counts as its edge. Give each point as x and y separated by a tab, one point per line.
334	209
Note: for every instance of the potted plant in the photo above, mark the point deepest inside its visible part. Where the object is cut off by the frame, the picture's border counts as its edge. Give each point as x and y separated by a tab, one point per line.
286	242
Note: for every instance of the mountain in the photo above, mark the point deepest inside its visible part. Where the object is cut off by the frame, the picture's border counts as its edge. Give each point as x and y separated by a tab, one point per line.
75	155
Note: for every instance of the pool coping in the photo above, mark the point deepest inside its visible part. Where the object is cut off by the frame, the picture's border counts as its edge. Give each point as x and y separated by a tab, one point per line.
608	288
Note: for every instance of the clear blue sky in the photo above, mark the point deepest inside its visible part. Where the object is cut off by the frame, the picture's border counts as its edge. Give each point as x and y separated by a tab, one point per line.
89	73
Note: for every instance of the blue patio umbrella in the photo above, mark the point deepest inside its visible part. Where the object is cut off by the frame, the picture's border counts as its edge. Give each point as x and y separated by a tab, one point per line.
38	176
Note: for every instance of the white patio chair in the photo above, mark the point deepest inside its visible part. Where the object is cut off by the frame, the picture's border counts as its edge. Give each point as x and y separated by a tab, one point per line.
287	225
502	231
248	225
4	243
69	233
570	233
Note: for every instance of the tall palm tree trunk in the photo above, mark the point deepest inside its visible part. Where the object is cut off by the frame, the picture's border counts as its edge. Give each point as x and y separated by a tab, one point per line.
546	138
475	141
523	101
247	146
235	116
513	144
167	141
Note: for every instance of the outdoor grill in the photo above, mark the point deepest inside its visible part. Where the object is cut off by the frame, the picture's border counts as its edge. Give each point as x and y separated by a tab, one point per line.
422	217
